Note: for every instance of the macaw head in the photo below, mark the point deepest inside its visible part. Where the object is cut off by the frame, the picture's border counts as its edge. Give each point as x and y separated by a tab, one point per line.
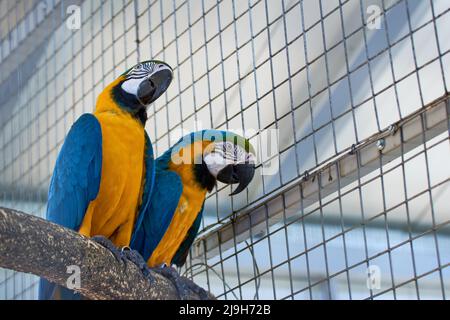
231	160
218	156
145	82
138	87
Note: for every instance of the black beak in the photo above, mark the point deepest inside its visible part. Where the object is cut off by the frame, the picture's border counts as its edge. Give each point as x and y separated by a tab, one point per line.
234	173
151	89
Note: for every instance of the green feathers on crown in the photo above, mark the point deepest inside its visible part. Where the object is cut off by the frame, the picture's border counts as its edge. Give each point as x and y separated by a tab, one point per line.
214	135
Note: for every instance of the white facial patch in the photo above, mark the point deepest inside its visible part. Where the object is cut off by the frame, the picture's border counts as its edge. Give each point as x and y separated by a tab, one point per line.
226	153
215	162
131	85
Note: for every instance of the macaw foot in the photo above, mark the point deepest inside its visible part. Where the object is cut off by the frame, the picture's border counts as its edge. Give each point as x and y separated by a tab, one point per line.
183	285
105	242
136	258
125	255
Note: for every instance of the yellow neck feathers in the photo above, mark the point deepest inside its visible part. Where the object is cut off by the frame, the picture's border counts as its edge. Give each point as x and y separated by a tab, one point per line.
188	156
105	100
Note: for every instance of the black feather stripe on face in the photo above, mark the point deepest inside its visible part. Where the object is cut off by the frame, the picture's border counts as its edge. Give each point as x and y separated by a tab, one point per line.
203	177
230	151
129	103
141	70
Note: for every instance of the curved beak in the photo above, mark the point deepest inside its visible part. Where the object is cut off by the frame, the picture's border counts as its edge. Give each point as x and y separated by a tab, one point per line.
153	87
241	173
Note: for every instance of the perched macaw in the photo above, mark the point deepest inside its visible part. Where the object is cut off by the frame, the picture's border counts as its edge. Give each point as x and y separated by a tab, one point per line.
104	172
167	228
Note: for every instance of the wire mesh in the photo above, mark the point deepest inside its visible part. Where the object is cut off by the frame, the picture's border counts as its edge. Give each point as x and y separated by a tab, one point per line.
342	82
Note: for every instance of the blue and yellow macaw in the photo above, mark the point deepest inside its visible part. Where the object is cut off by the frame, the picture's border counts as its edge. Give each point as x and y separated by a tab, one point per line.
167	228
104	173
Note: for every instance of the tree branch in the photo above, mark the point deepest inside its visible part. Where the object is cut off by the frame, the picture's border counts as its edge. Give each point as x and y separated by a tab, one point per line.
34	245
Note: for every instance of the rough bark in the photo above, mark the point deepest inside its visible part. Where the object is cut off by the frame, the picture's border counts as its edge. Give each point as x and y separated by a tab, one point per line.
33	245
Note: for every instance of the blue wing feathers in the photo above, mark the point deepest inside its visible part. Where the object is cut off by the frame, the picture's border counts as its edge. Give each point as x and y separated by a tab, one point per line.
74	184
163	203
76	177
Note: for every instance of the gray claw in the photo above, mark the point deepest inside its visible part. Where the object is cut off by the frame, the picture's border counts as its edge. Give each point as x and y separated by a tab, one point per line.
105	242
183	285
134	256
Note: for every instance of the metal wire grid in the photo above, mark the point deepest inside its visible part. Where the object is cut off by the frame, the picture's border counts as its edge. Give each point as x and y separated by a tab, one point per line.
325	252
222	50
285	114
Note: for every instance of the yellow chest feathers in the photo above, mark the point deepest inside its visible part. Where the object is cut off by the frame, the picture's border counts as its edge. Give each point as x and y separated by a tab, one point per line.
113	212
